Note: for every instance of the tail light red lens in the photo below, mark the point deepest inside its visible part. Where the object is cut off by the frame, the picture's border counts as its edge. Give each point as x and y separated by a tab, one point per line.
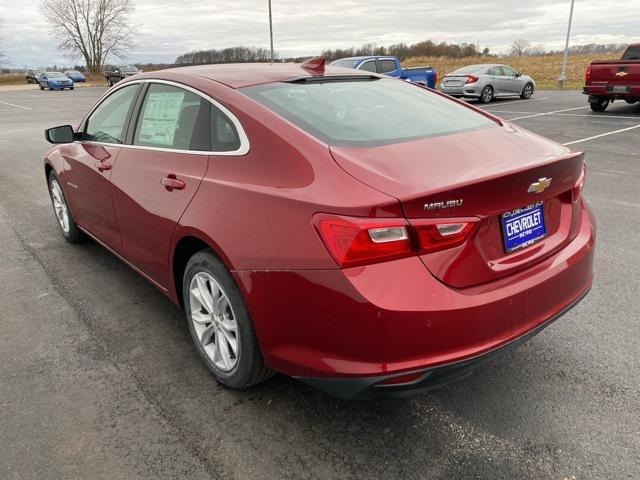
471	79
432	237
354	241
587	75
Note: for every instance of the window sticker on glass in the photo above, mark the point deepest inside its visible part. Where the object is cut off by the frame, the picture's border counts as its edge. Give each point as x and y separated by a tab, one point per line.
160	117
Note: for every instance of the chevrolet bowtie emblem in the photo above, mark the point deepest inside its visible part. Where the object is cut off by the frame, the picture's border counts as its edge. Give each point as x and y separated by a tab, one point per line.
540	186
622	74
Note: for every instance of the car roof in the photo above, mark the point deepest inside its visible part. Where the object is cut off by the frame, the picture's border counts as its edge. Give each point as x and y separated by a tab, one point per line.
239	75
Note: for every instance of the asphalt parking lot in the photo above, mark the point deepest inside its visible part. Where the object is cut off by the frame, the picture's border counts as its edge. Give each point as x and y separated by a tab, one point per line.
99	378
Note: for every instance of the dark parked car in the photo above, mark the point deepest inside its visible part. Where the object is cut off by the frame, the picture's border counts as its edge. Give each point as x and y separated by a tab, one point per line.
118	73
75	76
32	76
366	235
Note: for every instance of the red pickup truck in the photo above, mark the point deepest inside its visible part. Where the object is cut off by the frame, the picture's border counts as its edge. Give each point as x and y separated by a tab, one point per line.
606	81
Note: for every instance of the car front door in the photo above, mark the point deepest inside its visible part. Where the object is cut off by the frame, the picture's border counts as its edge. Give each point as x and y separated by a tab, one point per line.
159	173
496	79
88	171
512	81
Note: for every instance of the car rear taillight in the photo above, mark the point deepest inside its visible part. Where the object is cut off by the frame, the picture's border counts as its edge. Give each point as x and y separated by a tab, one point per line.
471	79
577	188
354	241
587	75
432	236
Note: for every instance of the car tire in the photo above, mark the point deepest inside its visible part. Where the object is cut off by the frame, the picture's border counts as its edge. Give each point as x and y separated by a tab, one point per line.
601	105
110	82
218	319
71	88
527	91
68	226
41	87
486	96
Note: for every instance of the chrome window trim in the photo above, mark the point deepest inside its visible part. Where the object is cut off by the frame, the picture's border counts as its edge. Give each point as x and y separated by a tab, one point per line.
244	140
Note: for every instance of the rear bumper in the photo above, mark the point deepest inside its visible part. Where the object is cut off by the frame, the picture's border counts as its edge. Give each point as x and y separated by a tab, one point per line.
468	91
360	325
361	388
607	91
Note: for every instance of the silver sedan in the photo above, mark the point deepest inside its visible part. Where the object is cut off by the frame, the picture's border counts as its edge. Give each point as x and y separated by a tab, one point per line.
486	82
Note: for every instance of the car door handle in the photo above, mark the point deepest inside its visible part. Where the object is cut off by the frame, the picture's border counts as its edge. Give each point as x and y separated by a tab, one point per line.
102	166
170	182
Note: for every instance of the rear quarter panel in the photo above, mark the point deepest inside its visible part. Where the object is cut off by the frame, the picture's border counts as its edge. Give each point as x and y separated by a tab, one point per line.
258	208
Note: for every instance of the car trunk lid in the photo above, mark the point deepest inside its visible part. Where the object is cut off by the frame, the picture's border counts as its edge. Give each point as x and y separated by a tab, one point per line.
481	174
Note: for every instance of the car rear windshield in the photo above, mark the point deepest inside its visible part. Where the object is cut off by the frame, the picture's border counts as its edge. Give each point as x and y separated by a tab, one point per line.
469	69
632	53
366	112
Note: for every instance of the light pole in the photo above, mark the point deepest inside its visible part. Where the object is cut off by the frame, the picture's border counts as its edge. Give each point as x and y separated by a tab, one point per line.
271	31
563	78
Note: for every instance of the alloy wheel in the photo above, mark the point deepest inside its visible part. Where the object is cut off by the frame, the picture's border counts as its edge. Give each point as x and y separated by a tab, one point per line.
214	321
60	206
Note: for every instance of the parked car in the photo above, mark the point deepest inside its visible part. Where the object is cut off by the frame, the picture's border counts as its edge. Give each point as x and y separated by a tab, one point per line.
55	81
303	231
32	76
116	74
390	66
606	81
486	82
75	76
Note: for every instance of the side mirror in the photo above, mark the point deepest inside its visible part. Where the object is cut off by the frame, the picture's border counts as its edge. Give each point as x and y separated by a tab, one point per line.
61	134
518	74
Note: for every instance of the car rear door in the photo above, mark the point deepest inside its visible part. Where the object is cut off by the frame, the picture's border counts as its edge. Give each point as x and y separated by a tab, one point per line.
88	170
388	66
158	174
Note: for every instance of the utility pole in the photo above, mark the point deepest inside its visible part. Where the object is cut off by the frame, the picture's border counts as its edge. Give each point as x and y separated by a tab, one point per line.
563	78
271	31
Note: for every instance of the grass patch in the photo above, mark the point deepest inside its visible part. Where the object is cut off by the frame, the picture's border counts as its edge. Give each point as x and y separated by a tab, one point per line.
545	69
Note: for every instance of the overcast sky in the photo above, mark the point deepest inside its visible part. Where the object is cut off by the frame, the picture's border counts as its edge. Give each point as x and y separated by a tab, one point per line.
168	28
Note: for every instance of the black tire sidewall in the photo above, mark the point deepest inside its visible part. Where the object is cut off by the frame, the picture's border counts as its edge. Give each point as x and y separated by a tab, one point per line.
241	376
524	95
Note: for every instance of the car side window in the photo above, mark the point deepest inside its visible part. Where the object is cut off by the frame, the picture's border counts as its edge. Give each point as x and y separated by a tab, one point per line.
495	71
173	118
107	122
224	136
387	65
508	71
369	66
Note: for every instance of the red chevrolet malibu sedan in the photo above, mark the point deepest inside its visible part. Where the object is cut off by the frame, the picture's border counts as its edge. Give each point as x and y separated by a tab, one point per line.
365	235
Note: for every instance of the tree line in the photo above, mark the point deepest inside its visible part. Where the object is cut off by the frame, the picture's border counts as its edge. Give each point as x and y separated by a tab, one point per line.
427	48
225	55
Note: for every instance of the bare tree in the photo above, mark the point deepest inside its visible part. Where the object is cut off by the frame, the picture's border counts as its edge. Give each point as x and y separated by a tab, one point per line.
519	47
90	29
